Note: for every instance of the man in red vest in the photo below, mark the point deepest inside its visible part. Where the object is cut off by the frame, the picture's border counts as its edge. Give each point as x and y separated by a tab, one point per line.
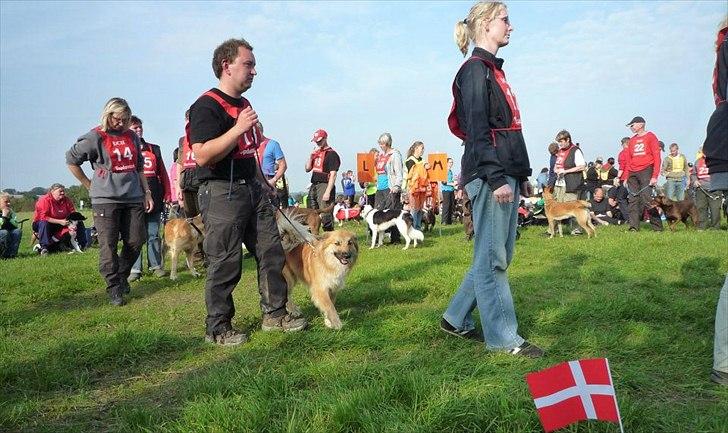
642	167
233	203
323	164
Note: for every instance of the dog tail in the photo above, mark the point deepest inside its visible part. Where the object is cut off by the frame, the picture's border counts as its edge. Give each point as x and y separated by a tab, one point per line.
292	232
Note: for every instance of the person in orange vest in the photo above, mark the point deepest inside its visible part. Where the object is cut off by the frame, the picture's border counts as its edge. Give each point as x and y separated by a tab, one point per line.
324	165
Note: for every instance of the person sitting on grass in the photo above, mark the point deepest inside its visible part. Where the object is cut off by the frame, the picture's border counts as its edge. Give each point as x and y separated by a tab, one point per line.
49	220
10	232
601	211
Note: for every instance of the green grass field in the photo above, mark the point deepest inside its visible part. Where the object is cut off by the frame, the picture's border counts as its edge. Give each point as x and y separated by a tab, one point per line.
71	362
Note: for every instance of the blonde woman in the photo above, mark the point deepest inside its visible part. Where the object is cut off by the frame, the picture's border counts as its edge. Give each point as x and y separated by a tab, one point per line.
495	170
119	192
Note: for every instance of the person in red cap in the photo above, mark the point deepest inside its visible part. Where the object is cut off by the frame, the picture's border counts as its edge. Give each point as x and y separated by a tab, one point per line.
642	162
324	164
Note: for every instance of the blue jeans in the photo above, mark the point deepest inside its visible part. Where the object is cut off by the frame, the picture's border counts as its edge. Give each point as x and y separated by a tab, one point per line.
9	242
720	344
675	189
154	245
486	283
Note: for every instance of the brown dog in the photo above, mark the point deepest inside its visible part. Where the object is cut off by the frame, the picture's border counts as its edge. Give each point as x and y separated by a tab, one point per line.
677	210
310	217
321	263
181	235
555	212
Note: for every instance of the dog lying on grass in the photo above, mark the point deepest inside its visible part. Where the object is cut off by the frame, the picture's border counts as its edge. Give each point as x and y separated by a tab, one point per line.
677	210
320	262
181	236
555	212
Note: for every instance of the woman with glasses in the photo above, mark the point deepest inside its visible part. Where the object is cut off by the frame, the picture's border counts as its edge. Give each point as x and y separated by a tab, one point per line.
119	192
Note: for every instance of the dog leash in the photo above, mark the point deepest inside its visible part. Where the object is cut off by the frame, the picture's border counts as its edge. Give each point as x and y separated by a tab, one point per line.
276	208
635	194
710	196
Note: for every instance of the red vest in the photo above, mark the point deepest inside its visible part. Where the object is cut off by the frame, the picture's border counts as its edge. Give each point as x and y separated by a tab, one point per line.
381	163
500	78
248	142
318	158
722	34
121	149
702	169
561	156
150	161
261	151
188	156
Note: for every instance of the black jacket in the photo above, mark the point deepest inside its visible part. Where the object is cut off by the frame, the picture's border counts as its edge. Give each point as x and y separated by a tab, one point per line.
715	147
481	106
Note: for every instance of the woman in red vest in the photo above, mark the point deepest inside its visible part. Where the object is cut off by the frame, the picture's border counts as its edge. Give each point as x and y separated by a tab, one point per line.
495	170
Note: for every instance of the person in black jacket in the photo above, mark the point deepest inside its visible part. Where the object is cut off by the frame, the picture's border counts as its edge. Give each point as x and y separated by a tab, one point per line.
715	149
495	170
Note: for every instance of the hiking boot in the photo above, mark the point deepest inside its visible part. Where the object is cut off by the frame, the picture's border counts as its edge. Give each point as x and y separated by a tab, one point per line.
134	276
472	334
528	350
116	300
160	273
125	287
43	252
719	377
287	323
230	337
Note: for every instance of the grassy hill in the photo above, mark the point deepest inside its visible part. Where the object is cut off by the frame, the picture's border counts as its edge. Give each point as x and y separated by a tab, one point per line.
71	362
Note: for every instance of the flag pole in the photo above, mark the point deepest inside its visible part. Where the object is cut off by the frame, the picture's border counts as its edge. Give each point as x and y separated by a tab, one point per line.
616	403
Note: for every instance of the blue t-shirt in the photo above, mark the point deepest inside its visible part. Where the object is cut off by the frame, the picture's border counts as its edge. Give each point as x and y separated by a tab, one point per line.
450	179
271	154
382	182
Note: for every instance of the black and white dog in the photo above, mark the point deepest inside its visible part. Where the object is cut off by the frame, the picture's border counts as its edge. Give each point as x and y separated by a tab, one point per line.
73	220
380	220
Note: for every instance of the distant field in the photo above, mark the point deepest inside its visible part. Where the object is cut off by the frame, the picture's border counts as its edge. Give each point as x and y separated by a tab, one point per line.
69	362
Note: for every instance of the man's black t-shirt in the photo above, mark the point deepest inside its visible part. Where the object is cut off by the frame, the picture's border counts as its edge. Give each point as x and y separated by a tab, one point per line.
332	162
209	120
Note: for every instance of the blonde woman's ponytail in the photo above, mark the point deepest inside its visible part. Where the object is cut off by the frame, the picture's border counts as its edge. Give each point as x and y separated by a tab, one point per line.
462	37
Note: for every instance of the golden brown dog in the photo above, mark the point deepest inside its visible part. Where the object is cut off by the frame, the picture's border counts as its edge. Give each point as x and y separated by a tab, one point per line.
320	262
310	217
555	212
181	236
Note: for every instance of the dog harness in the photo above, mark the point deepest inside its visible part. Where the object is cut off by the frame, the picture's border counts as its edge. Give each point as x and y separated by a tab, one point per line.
500	78
121	149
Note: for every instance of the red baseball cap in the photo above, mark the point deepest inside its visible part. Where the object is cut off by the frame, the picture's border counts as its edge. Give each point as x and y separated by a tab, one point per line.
319	135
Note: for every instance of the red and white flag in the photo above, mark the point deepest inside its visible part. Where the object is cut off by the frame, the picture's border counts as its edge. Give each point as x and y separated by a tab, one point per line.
574	391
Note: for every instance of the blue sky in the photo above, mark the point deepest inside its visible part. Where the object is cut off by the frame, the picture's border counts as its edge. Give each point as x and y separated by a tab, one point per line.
356	69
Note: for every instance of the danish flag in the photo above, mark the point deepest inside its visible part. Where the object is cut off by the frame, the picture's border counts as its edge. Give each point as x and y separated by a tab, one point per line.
574	391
